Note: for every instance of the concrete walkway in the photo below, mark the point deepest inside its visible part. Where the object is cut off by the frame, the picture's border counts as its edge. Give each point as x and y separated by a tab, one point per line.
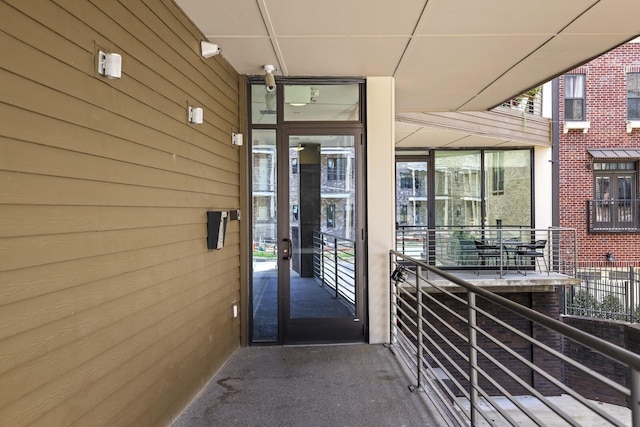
341	385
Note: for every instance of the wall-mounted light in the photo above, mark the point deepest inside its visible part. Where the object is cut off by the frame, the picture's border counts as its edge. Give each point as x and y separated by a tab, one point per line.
209	49
269	78
196	115
610	257
110	65
237	139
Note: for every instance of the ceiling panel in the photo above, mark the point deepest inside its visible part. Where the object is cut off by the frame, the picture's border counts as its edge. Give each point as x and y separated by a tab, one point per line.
346	18
444	54
550	61
217	18
609	17
426	82
342	56
500	17
248	53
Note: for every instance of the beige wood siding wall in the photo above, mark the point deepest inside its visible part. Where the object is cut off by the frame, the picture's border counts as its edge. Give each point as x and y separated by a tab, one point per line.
112	310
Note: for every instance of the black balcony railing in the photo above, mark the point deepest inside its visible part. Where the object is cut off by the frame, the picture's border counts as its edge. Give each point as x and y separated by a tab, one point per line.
613	215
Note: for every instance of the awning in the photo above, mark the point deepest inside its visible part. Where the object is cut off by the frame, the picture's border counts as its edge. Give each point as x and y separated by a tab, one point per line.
614	153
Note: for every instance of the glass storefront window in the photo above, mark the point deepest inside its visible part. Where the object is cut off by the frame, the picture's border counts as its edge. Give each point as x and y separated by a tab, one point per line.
457	181
508	187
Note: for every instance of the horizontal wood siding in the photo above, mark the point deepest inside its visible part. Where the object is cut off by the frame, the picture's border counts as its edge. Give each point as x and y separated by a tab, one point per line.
499	123
112	310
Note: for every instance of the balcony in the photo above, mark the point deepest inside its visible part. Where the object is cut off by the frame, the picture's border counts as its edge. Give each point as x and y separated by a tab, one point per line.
458	355
455	248
613	215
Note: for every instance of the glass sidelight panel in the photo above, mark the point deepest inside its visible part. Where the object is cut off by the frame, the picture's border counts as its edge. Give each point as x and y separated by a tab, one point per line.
322	196
412	208
264	231
626	206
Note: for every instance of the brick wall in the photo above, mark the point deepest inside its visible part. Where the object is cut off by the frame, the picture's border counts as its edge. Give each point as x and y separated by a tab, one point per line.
548	303
619	333
606	109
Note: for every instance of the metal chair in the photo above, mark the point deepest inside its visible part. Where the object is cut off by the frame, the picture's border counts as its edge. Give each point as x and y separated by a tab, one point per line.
486	251
533	250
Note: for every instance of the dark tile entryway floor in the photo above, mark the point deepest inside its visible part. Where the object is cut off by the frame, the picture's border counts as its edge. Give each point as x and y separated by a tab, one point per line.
338	385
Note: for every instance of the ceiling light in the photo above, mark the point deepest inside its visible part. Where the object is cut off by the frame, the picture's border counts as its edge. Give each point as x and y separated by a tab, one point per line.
297	96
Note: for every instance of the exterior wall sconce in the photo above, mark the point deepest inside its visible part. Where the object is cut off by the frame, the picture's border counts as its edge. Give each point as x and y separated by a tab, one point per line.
576	125
632	124
110	65
209	49
196	115
610	257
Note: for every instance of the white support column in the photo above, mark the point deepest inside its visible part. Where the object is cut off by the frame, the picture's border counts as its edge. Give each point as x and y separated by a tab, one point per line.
380	200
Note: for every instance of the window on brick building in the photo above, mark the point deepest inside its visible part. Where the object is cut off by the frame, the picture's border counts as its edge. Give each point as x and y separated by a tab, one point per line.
633	96
336	168
574	105
331	216
615	203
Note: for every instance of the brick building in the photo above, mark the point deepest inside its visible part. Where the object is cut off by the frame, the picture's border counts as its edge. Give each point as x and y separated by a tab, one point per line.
598	149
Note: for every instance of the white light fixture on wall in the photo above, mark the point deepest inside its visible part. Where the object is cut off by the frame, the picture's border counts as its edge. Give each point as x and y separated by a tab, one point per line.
209	49
196	115
237	139
110	65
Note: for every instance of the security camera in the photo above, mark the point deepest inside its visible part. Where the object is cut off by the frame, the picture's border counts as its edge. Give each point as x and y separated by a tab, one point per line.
209	49
269	78
270	82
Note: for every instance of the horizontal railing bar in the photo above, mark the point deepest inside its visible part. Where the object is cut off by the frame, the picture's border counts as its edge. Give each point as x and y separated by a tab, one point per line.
607	349
522	383
547	376
555	353
448	374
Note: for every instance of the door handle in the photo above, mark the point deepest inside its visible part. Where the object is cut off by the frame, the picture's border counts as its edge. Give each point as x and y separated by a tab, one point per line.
287	251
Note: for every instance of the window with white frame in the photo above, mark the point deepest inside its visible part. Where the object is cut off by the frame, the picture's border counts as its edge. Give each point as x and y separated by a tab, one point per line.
574	97
633	96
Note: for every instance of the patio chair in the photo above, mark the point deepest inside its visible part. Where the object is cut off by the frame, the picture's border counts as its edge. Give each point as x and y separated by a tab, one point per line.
533	250
486	251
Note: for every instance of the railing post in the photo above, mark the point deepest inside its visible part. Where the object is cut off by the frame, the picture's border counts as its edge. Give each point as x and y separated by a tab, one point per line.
392	301
335	262
473	358
632	294
322	259
635	396
419	353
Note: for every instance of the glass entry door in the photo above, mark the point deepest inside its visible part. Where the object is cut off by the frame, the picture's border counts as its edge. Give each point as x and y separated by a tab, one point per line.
307	237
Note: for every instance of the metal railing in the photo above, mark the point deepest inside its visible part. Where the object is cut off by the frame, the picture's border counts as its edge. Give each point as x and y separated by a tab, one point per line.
334	264
529	102
486	358
613	215
455	247
607	290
